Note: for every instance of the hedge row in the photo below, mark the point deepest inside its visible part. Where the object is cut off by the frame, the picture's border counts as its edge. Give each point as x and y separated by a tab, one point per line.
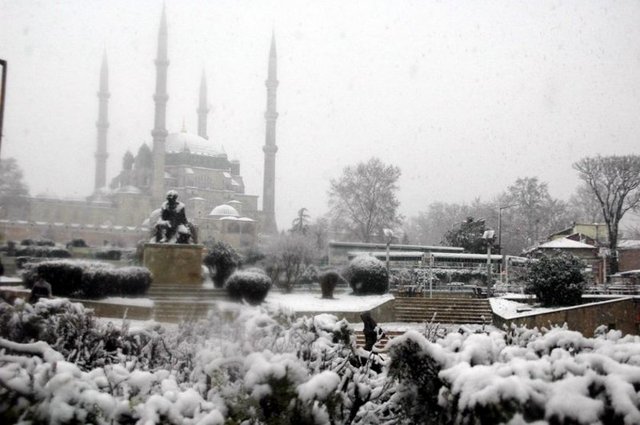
88	279
42	251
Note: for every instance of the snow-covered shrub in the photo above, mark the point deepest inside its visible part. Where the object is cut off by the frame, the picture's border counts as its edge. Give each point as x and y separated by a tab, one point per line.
367	275
65	276
221	260
251	285
328	281
110	254
77	243
524	376
400	277
311	274
556	279
413	364
38	242
42	252
241	365
101	282
70	330
88	279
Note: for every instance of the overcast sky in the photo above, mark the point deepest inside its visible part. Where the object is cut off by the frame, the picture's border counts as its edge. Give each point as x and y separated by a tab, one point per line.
464	96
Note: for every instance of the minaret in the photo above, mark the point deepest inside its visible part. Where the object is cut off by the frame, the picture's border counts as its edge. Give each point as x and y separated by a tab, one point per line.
102	125
270	148
203	108
159	132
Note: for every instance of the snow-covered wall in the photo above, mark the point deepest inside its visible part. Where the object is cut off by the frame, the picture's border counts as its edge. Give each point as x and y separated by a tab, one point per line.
621	314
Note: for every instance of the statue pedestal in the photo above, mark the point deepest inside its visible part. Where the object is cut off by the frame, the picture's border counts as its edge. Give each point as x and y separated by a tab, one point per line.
174	263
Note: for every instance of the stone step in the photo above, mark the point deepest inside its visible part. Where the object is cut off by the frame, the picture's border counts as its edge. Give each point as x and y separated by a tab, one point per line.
360	340
444	310
443	307
440	301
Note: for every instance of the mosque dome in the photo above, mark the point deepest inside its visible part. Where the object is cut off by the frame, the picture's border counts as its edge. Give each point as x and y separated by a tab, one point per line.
183	141
224	210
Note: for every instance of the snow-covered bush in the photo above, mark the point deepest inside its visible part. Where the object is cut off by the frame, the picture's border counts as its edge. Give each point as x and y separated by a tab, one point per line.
524	376
102	282
241	365
413	364
109	254
251	285
310	275
367	275
44	251
221	260
556	279
65	276
88	279
73	332
328	281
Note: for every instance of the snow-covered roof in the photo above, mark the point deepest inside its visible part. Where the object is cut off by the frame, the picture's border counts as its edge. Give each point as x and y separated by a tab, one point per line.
128	189
629	244
180	142
224	210
564	243
413	254
448	255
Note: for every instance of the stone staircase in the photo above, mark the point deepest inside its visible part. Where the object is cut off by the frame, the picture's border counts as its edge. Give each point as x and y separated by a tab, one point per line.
388	335
177	302
458	310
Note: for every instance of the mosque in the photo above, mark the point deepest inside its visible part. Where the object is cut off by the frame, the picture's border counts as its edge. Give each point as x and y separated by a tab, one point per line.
207	181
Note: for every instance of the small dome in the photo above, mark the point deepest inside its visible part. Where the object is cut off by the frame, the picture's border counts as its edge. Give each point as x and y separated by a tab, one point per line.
224	210
180	142
129	189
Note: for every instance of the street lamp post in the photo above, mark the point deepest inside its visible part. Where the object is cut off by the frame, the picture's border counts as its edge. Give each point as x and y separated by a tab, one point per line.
388	234
504	207
489	236
3	90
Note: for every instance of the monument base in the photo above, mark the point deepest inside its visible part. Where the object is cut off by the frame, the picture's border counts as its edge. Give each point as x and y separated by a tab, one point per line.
174	263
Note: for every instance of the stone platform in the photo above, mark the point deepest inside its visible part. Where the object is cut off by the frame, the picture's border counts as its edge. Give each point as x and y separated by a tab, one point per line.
174	263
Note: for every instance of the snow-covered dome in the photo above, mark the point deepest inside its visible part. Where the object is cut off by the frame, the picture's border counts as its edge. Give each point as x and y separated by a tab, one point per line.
128	189
224	210
183	141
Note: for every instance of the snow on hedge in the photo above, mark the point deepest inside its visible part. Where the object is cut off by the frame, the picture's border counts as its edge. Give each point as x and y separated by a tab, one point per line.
250	365
555	376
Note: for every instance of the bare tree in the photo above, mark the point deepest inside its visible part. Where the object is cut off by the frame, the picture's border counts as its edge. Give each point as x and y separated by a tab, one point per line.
535	214
430	226
13	190
584	206
363	200
288	255
614	181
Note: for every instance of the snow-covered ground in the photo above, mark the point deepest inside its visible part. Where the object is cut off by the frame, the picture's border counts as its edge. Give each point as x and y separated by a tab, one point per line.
313	302
136	302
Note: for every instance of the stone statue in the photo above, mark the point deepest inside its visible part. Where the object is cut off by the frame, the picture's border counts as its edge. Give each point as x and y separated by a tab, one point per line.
173	226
